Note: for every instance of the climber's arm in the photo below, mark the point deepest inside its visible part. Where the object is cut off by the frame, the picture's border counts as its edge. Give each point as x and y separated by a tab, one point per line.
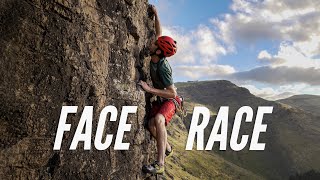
157	22
169	92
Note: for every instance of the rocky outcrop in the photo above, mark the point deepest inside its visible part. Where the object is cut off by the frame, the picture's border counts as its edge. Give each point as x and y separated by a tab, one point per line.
81	53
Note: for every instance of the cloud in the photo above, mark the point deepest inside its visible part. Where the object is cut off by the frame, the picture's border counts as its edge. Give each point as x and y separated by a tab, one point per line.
279	75
295	24
281	96
207	44
199	46
289	31
207	72
268	92
289	55
254	20
197	53
281	92
264	55
185	51
300	88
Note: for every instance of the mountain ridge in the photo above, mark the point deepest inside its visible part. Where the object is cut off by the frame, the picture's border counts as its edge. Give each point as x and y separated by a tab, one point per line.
306	102
283	137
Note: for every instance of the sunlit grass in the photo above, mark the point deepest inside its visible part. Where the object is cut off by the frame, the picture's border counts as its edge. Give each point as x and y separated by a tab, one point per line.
198	164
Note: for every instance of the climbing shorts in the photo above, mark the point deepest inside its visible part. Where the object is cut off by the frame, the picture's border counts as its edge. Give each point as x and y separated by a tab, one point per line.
167	108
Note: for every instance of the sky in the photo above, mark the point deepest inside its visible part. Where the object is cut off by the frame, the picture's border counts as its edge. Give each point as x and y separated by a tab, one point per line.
271	47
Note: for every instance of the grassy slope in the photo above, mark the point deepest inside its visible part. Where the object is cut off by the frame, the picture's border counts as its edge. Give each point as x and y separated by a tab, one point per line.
310	103
291	139
198	164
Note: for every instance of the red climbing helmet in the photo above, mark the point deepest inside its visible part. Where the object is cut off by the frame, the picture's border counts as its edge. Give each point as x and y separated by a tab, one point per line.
167	45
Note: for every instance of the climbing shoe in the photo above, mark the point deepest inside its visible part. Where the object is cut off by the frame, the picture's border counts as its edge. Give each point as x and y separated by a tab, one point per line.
153	168
169	153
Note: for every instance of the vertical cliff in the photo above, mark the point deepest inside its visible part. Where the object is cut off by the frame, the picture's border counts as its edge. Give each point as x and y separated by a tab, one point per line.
67	52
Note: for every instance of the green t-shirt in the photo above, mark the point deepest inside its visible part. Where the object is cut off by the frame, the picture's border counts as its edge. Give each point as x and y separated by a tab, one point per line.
161	74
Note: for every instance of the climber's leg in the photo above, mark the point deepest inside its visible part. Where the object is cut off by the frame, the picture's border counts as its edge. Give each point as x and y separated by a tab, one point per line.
161	136
153	131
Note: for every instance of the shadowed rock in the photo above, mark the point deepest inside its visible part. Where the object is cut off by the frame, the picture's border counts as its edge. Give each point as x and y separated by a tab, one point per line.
81	53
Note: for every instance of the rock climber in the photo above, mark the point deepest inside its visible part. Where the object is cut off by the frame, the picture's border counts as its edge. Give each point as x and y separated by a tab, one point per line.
164	108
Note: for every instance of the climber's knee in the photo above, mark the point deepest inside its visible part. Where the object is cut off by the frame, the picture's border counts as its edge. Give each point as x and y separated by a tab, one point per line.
159	120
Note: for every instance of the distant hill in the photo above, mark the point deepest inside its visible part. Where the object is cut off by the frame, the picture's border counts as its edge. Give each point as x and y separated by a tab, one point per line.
199	164
292	137
309	103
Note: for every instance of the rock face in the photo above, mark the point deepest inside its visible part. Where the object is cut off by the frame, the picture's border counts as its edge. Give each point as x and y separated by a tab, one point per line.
55	53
